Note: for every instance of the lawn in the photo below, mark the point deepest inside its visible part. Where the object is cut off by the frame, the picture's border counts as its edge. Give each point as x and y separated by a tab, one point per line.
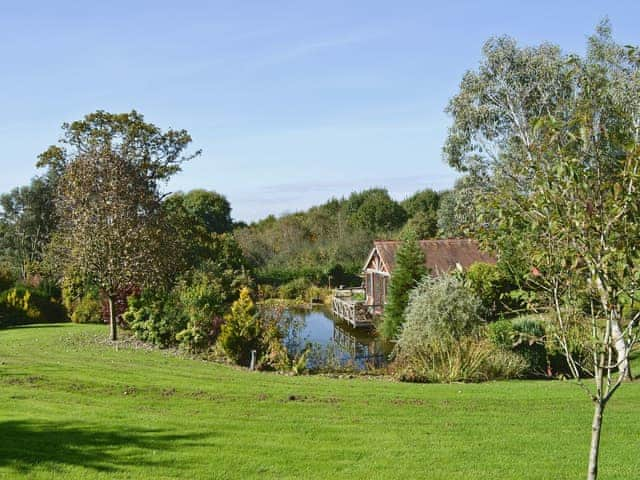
72	407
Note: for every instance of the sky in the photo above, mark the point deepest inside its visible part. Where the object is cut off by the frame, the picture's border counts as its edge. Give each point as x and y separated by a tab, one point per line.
291	102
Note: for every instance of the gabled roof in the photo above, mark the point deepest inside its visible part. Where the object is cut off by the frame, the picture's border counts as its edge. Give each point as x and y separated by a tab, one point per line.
441	255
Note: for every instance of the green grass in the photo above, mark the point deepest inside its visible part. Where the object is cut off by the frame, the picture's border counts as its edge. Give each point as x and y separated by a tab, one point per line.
71	407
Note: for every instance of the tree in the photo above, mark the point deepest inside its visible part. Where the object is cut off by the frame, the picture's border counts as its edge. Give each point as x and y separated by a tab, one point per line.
457	213
566	183
410	267
155	153
208	210
375	211
27	220
426	200
112	231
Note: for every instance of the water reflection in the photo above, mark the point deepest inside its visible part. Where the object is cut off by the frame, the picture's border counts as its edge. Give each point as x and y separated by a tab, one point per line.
334	343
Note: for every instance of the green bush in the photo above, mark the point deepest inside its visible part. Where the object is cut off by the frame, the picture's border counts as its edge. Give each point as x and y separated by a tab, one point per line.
491	286
529	341
242	331
155	318
294	289
203	297
439	307
88	309
441	340
7	279
526	337
21	305
501	334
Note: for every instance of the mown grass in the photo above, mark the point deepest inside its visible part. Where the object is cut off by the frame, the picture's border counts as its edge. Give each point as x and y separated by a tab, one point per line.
72	407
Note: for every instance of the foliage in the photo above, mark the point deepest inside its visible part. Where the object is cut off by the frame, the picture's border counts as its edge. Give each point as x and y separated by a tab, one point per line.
21	305
154	318
410	267
112	229
27	220
556	137
155	154
439	307
529	341
466	359
457	212
204	296
492	287
88	309
425	201
326	244
375	211
7	279
208	210
425	225
294	289
242	331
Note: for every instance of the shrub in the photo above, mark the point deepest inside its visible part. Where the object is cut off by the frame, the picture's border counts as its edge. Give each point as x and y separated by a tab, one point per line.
501	334
526	337
155	318
491	286
529	341
466	359
242	331
294	289
20	305
87	309
203	297
439	307
7	279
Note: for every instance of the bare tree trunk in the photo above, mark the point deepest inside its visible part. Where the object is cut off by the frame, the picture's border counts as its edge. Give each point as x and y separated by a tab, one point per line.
596	427
113	327
621	350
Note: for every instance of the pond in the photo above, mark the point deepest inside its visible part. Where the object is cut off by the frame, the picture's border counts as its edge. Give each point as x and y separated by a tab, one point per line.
335	344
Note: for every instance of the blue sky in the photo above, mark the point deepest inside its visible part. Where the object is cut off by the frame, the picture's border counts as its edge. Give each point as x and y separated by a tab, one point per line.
292	102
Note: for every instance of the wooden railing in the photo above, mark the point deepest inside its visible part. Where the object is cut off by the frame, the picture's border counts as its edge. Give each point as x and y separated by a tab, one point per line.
355	312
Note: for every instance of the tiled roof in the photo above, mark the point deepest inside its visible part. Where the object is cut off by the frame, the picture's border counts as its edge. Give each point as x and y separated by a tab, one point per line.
441	255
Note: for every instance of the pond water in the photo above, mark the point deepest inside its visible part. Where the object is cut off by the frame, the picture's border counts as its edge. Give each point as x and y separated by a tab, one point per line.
334	343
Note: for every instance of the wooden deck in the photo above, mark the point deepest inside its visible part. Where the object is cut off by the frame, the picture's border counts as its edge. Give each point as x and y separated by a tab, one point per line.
347	306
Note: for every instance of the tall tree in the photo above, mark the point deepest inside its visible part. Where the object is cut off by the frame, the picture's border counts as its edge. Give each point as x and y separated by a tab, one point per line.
410	267
566	184
156	153
112	230
27	220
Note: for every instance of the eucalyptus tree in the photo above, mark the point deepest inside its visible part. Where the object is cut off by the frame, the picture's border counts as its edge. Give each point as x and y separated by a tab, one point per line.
27	219
113	231
562	175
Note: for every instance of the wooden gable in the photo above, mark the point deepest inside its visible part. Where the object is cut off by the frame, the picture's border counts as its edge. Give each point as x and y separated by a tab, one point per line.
375	263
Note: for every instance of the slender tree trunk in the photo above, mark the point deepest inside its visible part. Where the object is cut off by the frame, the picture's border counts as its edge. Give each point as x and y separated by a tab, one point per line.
596	427
621	350
113	327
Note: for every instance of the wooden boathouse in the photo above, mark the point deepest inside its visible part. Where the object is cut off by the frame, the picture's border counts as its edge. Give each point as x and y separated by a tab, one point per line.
359	307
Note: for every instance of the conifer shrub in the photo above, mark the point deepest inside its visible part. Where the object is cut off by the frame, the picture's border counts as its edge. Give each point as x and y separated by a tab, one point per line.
242	331
410	267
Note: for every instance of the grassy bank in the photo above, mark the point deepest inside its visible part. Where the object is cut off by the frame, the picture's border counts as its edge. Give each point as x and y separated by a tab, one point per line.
73	407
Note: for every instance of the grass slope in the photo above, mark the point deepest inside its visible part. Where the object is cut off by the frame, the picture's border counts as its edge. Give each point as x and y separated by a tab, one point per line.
71	407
